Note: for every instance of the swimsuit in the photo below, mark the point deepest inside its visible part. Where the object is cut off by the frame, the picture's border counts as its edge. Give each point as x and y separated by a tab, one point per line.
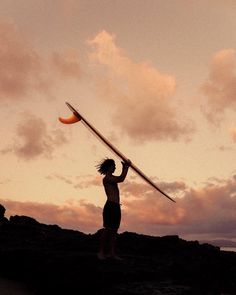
111	215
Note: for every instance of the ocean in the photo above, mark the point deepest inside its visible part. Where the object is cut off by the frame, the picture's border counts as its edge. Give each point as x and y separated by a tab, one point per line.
228	249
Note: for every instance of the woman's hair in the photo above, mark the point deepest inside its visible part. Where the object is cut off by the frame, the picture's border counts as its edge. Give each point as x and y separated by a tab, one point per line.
104	165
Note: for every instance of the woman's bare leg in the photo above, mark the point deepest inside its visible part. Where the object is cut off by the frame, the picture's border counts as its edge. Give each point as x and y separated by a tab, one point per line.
103	241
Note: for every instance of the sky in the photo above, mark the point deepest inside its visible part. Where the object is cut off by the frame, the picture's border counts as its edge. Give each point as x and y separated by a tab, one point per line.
156	78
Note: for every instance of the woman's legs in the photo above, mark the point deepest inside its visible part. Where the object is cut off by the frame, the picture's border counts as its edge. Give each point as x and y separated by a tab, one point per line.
107	244
103	242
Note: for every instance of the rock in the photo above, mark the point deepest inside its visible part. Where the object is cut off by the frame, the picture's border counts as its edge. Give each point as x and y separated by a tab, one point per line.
25	220
52	260
3	219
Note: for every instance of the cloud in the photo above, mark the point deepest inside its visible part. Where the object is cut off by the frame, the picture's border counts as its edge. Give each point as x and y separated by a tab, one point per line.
220	87
140	93
223	148
80	215
24	70
5	180
136	189
34	139
88	181
207	211
204	212
67	64
80	182
233	134
21	67
66	179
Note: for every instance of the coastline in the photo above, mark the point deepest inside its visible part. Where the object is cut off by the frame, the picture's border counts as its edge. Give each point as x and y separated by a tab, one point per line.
228	249
46	259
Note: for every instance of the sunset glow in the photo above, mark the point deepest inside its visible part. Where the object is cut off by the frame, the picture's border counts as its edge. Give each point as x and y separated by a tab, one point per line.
156	78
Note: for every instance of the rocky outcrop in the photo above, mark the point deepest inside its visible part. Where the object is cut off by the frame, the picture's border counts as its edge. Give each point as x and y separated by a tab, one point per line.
52	260
3	219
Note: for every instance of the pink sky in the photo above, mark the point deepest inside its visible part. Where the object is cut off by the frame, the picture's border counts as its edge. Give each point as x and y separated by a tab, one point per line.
155	77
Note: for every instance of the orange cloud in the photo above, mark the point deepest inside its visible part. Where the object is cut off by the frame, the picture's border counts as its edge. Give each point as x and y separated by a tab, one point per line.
34	139
140	93
203	212
72	215
220	89
233	134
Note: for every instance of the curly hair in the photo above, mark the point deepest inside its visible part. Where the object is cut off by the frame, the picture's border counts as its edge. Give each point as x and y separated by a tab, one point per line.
104	165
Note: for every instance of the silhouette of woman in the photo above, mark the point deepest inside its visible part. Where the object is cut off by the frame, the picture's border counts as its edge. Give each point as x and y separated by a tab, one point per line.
111	210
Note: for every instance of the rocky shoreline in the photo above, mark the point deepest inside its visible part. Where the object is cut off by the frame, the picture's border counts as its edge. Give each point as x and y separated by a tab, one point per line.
52	260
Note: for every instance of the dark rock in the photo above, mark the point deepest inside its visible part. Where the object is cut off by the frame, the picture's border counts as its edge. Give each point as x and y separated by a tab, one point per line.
25	220
3	219
52	260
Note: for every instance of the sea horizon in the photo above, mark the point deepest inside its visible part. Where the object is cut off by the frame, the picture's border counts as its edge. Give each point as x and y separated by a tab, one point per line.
233	249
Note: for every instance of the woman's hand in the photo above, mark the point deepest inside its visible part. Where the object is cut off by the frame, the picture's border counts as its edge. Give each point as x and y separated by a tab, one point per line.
126	163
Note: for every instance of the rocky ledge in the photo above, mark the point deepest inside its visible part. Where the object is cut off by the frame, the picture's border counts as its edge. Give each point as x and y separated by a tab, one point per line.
52	260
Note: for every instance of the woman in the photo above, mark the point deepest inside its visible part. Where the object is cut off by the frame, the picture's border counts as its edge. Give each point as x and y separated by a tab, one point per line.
111	210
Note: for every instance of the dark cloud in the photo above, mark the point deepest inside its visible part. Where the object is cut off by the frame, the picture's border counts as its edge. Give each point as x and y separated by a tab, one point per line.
33	139
24	70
